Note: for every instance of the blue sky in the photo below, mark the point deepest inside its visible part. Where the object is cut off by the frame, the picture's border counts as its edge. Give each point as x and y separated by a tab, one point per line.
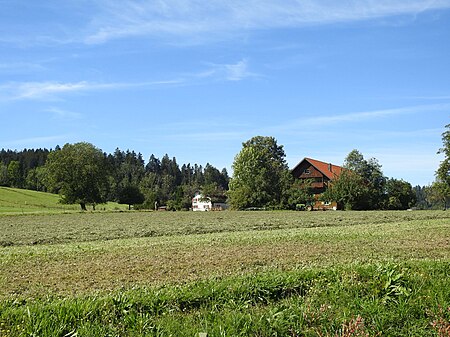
195	79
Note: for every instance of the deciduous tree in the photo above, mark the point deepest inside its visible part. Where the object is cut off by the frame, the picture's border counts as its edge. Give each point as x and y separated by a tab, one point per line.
361	184
260	174
442	184
399	194
78	172
130	195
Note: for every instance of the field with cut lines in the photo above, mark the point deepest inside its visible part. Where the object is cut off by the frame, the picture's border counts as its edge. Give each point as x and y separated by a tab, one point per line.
225	273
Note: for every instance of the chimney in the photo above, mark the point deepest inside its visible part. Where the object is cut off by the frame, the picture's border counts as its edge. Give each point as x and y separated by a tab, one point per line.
330	167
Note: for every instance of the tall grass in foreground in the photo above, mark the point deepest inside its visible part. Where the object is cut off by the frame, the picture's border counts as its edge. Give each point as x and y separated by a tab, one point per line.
409	299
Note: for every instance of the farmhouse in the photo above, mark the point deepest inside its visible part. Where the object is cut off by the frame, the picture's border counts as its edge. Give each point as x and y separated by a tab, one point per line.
320	175
201	203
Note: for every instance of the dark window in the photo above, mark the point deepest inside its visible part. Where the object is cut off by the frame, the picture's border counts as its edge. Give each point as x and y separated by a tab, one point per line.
307	171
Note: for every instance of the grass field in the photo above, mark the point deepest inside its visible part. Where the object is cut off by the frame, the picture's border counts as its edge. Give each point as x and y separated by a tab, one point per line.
19	201
225	273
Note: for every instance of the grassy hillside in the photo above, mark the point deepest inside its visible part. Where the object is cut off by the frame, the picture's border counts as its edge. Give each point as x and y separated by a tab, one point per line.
14	200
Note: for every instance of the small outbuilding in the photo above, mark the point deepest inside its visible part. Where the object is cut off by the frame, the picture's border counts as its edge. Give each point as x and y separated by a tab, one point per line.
201	203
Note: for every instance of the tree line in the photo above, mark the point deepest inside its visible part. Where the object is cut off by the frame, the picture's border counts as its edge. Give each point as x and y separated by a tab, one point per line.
262	179
84	174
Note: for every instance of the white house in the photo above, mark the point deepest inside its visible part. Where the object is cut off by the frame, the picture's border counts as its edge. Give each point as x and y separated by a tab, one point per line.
201	203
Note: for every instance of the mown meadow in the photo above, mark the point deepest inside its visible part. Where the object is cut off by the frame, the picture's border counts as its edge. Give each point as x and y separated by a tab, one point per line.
225	273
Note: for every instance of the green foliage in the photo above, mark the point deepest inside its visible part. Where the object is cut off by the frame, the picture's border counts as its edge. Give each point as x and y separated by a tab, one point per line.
399	194
160	181
165	183
78	172
4	179
260	174
36	179
14	174
300	193
392	284
126	169
130	195
349	191
438	194
371	181
442	184
362	186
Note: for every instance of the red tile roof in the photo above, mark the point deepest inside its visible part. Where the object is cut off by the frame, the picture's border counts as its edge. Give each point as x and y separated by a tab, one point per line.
329	170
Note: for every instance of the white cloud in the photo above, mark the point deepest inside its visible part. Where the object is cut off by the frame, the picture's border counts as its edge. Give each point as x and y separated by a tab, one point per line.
355	117
44	89
64	114
39	90
192	18
52	90
230	72
195	21
49	90
238	71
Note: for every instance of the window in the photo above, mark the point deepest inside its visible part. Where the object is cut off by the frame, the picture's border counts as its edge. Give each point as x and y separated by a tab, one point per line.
307	171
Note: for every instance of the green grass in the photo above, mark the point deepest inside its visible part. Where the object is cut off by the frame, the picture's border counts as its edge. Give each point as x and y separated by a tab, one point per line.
225	273
19	201
302	302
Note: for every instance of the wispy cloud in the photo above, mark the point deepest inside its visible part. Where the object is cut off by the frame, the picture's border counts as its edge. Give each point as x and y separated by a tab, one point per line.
192	18
195	21
49	90
355	117
238	71
64	114
52	90
36	90
230	72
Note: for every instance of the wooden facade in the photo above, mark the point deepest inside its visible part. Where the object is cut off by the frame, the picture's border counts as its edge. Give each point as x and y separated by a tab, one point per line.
320	175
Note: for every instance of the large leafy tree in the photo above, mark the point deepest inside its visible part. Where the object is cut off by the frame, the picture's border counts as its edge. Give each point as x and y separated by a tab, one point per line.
130	195
399	194
349	191
360	186
373	180
260	174
442	183
78	172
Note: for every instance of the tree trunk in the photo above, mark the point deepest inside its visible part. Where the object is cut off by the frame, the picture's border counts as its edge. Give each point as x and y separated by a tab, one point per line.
129	207
83	206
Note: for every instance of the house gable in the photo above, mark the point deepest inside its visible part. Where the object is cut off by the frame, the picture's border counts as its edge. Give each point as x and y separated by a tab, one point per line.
311	168
319	175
